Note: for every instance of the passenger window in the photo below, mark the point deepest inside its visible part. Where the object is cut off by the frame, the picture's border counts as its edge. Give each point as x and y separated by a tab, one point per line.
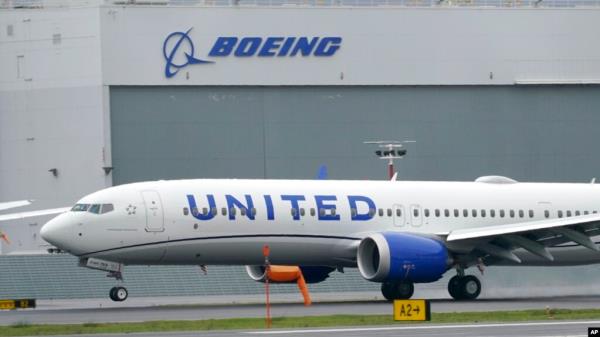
293	211
321	211
302	211
466	213
569	213
214	211
353	212
253	211
456	214
502	213
446	213
371	212
333	211
512	213
416	212
389	212
560	214
381	212
398	212
186	211
492	213
232	211
242	211
595	212
204	211
437	213
531	213
427	212
577	213
224	211
474	212
95	208
521	213
483	213
108	208
547	214
586	212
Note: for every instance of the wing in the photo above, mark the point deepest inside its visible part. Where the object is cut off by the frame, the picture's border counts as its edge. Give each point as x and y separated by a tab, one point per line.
495	244
13	204
23	215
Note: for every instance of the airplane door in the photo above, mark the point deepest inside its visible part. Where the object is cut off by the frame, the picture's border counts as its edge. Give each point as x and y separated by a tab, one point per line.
154	211
399	215
416	216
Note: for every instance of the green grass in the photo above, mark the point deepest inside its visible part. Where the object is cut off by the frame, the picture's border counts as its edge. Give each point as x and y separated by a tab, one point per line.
27	329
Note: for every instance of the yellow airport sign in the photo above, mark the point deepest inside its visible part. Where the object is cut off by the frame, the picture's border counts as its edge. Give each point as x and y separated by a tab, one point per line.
411	310
17	304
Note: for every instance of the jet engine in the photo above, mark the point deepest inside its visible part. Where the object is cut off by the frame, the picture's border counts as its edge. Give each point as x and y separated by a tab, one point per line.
289	274
400	256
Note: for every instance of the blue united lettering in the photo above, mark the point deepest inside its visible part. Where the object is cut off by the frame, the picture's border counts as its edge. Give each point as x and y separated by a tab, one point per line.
362	208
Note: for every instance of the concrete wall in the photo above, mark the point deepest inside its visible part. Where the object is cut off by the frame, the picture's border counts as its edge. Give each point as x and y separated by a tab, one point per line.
51	114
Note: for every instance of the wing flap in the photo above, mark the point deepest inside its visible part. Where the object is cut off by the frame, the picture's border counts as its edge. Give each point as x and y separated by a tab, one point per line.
521	227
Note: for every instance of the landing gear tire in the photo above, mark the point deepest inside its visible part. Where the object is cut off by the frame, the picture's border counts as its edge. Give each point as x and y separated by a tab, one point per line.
118	294
397	290
387	290
464	287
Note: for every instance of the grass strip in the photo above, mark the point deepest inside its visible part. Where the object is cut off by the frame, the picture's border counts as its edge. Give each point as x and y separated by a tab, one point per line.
27	329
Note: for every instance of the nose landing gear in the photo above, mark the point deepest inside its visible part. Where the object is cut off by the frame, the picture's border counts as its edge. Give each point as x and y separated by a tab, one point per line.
466	287
118	294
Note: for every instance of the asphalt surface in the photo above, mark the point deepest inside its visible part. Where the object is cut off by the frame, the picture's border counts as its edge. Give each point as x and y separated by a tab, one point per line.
98	311
530	329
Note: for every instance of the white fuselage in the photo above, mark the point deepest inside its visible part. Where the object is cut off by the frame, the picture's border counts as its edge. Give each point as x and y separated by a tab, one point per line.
157	223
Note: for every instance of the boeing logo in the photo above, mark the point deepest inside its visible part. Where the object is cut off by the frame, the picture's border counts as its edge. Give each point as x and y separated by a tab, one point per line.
178	48
171	51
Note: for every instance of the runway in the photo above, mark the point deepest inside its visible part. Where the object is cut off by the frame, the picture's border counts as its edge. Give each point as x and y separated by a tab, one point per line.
138	311
529	329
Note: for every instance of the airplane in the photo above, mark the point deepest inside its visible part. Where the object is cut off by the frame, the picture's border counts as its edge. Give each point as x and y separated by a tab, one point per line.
396	233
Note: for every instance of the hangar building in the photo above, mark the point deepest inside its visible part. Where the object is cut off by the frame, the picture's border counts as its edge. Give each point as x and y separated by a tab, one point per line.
94	94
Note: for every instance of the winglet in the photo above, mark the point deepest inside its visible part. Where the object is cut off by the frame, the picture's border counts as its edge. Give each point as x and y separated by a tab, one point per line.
322	173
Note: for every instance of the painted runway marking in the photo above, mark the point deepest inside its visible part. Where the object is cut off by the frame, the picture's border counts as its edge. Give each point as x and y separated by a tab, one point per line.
422	327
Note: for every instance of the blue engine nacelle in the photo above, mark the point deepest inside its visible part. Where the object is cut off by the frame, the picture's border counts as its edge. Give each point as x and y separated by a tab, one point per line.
400	256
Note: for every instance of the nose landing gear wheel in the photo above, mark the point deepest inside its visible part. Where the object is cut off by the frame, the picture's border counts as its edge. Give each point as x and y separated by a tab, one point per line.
464	288
118	294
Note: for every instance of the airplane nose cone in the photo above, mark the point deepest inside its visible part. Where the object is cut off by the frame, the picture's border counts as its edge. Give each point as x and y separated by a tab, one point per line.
55	232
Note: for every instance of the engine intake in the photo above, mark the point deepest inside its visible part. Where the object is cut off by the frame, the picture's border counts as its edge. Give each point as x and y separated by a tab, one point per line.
397	256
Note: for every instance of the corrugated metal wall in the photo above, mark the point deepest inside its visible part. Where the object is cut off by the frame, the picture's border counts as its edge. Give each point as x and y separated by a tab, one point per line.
537	133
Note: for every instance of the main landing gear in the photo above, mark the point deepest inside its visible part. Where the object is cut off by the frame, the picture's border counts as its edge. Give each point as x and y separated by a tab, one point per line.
464	287
397	290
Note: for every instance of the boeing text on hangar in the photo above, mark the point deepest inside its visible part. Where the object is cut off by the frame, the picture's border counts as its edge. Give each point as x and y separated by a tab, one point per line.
275	46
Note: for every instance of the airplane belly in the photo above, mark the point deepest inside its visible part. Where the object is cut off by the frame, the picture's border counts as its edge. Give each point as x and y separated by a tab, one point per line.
248	251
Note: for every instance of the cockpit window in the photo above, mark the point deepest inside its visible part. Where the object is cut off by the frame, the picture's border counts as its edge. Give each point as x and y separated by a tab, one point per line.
80	207
95	208
107	208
